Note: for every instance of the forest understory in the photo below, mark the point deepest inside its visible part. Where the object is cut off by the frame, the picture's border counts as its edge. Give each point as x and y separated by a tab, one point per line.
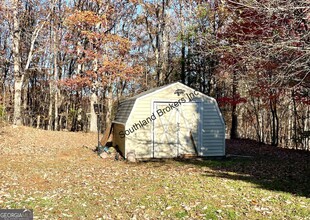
59	58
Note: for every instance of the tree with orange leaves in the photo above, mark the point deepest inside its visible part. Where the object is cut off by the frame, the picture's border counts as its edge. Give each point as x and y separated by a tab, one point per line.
102	58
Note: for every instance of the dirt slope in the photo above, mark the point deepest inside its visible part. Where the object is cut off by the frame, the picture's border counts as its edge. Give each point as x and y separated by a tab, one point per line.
30	141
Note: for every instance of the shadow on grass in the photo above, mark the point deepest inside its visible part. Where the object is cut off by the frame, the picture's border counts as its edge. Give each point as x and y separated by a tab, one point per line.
268	167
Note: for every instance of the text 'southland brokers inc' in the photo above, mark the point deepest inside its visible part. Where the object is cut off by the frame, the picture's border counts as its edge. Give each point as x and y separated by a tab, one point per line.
159	112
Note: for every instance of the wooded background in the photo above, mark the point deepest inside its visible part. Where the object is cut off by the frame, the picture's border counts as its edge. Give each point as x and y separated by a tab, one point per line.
58	58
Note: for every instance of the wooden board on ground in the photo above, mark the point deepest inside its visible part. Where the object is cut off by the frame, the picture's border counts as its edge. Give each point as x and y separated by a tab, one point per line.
193	141
106	135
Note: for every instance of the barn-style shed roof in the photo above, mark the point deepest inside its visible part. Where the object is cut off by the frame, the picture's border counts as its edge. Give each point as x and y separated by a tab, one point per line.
126	106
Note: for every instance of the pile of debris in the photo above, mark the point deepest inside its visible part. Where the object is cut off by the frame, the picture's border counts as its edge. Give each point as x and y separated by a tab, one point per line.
109	152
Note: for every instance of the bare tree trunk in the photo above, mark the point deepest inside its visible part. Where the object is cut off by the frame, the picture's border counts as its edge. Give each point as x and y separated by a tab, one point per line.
183	52
94	100
158	69
67	116
295	121
275	124
55	48
234	116
157	48
56	111
17	100
17	59
257	117
183	60
38	121
109	105
4	99
25	102
50	107
165	44
93	116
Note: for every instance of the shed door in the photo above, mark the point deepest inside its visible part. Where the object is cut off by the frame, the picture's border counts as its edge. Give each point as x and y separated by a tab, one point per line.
165	141
172	130
189	122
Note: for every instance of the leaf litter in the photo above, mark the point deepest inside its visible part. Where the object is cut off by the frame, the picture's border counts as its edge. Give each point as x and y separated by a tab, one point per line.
53	174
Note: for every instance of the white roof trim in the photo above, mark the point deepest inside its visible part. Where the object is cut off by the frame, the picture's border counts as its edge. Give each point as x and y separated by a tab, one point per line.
117	122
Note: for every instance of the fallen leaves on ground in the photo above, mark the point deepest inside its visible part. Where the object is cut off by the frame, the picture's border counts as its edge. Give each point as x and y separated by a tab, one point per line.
53	174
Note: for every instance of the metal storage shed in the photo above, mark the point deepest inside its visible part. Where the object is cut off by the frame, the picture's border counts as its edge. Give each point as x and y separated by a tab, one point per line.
169	121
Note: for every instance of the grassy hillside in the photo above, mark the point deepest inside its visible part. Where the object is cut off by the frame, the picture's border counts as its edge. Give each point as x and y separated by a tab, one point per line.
53	174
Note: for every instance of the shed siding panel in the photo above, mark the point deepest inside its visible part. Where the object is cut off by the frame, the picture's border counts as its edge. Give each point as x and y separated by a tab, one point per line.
140	141
213	130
